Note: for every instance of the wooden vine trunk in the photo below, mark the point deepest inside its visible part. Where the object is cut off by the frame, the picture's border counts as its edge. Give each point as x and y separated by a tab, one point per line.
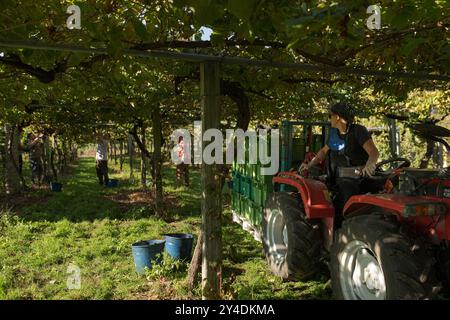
131	154
12	176
143	160
157	162
115	151
121	156
211	189
196	262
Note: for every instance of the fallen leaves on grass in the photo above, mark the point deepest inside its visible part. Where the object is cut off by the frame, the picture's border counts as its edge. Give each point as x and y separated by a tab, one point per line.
141	197
16	203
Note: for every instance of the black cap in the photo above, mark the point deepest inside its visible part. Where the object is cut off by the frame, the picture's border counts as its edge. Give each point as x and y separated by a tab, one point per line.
343	110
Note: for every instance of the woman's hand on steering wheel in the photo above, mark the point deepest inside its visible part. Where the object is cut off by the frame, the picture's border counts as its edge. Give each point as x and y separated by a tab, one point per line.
406	163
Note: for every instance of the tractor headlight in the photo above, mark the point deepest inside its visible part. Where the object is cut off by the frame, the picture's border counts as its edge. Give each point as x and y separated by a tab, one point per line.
425	209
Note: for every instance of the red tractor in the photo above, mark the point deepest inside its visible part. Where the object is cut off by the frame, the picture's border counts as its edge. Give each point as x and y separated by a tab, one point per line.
390	245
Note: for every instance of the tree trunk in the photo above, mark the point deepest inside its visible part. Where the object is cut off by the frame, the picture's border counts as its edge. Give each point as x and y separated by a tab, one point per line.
438	155
12	175
143	160
46	159
2	160
237	93
141	143
20	164
211	189
131	154
428	154
115	151
63	162
75	153
52	159
157	163
59	156
393	138
121	156
195	262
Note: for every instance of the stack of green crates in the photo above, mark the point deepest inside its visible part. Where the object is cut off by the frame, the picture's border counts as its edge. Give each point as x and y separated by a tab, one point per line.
250	189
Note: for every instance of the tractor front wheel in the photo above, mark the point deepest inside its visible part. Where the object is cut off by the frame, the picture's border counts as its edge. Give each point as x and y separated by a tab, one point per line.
374	258
292	243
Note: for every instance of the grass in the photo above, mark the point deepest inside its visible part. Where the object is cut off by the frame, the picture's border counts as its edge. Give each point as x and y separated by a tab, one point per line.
86	226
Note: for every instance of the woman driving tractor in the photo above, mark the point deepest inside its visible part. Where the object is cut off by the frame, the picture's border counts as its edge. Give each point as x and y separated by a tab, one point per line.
349	145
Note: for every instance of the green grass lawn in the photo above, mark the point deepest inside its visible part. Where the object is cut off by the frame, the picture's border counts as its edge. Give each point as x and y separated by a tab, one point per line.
90	226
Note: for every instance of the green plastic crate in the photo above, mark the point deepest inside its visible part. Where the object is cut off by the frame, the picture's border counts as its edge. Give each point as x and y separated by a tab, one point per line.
245	187
235	202
265	192
248	169
254	172
266	179
257	215
241	169
257	193
241	206
246	208
236	181
242	185
242	201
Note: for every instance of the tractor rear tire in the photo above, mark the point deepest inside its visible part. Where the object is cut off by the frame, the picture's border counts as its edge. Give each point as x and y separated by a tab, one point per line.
292	243
374	257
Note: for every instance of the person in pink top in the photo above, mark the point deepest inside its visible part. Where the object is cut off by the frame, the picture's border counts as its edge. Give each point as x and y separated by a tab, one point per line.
182	168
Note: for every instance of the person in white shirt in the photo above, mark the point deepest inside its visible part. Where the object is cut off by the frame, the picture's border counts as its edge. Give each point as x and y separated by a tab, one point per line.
102	160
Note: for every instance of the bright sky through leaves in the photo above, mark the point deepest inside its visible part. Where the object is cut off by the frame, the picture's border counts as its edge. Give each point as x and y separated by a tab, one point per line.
206	33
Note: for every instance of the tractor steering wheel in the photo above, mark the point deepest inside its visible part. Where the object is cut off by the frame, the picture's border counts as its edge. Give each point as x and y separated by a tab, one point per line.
406	163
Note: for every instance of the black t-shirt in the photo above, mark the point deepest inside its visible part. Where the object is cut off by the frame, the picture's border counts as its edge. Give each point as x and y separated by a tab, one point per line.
355	138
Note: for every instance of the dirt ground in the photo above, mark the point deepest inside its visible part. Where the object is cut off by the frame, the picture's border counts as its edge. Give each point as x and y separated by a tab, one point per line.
141	197
15	203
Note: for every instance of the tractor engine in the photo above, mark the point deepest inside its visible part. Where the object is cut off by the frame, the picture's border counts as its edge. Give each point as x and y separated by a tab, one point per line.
423	182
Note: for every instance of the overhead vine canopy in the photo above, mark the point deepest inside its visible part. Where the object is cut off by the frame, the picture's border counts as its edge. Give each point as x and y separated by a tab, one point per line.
414	37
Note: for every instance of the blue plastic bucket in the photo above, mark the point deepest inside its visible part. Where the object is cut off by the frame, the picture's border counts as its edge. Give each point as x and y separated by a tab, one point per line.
145	252
56	186
179	245
112	183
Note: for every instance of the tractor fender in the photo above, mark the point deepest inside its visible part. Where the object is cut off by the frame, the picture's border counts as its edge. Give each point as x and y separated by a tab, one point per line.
315	195
363	204
393	203
435	229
